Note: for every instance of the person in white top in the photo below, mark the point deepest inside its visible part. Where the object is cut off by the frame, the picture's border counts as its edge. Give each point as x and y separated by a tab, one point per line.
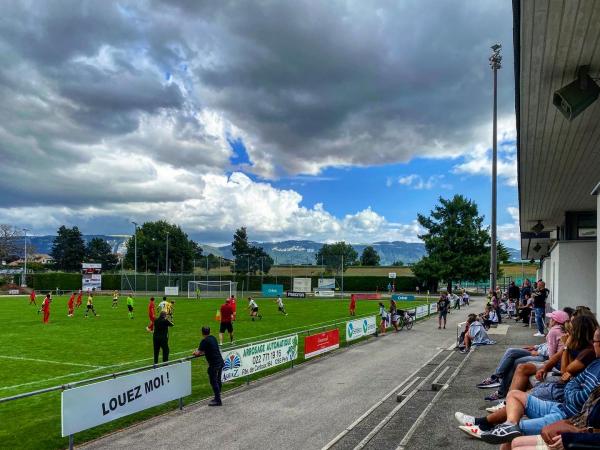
280	305
253	307
384	318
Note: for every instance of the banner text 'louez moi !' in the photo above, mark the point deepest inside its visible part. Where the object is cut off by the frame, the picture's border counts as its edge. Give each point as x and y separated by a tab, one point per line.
94	404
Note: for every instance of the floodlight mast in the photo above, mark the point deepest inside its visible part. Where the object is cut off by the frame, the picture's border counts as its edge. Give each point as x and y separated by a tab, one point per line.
24	279
495	63
135	225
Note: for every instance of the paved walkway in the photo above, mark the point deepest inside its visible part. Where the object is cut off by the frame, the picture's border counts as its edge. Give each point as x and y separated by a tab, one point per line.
302	408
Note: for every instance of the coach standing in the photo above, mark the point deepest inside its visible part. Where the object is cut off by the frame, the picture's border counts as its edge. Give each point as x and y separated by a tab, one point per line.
210	348
161	336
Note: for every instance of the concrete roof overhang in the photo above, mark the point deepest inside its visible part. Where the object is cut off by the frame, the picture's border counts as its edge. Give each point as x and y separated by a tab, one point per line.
558	161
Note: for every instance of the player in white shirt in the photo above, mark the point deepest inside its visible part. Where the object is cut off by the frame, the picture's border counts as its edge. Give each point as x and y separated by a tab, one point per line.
280	305
253	307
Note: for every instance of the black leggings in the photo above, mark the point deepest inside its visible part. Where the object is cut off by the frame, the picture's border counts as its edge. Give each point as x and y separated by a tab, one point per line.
158	344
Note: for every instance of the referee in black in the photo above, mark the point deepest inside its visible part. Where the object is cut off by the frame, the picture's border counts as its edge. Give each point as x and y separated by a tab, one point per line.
209	347
161	336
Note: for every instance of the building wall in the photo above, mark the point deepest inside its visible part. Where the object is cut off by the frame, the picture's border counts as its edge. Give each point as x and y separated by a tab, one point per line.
572	274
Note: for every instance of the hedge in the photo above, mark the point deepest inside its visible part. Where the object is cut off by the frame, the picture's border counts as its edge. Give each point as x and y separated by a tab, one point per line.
152	282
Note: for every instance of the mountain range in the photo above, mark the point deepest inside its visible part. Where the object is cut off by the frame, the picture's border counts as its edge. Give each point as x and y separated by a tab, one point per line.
283	252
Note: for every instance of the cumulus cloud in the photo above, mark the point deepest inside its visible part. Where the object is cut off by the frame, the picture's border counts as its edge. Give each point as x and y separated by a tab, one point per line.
133	110
418	182
510	231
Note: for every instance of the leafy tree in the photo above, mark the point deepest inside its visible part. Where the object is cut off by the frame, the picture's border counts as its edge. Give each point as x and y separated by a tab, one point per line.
99	251
369	257
398	263
456	243
248	258
333	256
68	249
152	248
211	261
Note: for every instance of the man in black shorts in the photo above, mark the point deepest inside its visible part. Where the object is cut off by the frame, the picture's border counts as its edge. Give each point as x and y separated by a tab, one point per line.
209	348
443	305
160	337
226	323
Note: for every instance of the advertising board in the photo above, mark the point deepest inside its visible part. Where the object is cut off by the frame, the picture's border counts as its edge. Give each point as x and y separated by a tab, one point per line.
422	311
402	297
293	294
324	293
432	308
272	290
254	358
94	404
171	290
326	283
302	285
356	329
91	276
317	344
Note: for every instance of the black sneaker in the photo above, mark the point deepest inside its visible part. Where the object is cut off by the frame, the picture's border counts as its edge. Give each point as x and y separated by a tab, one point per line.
501	434
215	403
491	382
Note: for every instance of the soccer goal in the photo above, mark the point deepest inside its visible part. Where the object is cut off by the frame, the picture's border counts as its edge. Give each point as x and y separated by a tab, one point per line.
211	289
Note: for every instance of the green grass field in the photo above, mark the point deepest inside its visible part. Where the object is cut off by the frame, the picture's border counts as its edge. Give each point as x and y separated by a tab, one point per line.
36	356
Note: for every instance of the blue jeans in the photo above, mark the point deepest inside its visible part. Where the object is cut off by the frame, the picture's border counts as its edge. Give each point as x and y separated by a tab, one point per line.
508	359
539	318
508	376
540	413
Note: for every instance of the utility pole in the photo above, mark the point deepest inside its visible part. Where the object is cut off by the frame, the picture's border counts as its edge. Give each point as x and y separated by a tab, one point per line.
342	276
135	256
167	261
495	64
24	278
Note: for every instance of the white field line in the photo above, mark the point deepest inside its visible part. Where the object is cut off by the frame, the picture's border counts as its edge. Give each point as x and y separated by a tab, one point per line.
22	358
47	379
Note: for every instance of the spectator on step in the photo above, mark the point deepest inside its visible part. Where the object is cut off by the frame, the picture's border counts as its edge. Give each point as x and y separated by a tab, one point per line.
476	334
511	308
513	292
495	302
384	318
509	423
525	310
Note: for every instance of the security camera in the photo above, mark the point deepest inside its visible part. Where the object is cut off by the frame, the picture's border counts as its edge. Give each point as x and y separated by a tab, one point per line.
572	99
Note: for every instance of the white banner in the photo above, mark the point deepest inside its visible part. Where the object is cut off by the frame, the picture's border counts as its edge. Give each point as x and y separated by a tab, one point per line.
94	404
326	283
362	327
324	293
171	290
302	285
257	357
421	311
91	276
432	308
392	275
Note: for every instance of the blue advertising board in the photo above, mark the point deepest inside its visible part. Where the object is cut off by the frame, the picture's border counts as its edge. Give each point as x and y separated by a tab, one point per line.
272	290
400	297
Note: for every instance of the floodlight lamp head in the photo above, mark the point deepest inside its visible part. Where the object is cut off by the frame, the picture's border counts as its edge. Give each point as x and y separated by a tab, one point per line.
537	247
496	47
538	227
574	98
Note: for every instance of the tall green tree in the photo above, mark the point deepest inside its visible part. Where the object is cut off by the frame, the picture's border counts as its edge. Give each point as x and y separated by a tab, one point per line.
369	257
9	242
336	257
152	248
248	258
99	251
68	249
457	244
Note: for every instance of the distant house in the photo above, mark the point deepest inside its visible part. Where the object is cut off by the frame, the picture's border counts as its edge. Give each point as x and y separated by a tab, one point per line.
40	258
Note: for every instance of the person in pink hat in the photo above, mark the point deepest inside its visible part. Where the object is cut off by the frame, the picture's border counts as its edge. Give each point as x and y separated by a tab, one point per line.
556	330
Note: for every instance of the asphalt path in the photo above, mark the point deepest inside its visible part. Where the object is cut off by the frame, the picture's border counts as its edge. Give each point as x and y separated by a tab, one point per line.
300	408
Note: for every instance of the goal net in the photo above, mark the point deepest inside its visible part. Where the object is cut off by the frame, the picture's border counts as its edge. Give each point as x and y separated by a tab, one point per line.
211	289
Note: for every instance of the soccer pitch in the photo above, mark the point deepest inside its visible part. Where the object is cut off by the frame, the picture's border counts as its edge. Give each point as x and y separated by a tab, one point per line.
36	356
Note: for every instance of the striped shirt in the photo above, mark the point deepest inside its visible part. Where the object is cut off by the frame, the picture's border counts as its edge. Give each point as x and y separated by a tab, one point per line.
579	389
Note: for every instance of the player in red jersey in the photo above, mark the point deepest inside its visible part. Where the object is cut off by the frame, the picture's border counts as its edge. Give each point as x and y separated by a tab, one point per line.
46	308
79	299
226	319
233	306
151	315
352	305
32	297
70	304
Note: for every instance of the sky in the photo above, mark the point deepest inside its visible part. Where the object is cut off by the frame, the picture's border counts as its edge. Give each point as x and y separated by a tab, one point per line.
297	119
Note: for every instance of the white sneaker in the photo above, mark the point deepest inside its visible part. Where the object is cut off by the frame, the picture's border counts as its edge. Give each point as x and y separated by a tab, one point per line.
464	419
538	334
498	407
473	431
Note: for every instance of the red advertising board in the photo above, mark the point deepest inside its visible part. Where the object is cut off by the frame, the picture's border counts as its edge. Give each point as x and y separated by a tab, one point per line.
367	296
320	343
